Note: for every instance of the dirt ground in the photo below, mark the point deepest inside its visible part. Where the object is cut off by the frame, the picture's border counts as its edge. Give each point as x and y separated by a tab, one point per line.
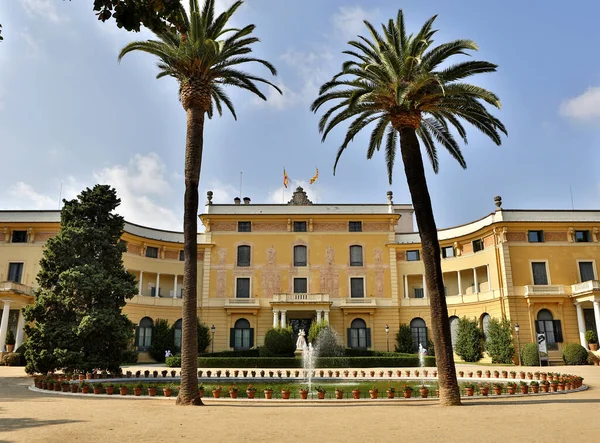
27	416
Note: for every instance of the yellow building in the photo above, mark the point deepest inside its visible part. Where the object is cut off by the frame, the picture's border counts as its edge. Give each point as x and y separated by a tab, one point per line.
356	266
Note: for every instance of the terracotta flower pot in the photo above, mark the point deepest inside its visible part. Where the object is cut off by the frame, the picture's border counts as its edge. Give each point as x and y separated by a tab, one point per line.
250	394
484	391
81	377
167	392
57	387
65	388
137	391
123	391
469	392
535	389
74	388
356	394
339	395
545	388
511	390
593	346
561	386
461	373
152	392
216	393
268	395
110	390
498	391
321	395
285	394
373	393
201	391
233	394
97	391
524	390
553	387
424	393
390	394
470	374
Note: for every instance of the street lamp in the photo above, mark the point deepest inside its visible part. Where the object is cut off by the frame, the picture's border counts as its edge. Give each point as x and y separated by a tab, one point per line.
518	342
212	330
387	337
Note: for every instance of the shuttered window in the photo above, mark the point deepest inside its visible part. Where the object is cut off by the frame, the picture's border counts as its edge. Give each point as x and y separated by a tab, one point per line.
540	276
15	272
243	255
241	335
357	287
356	255
300	286
586	270
243	288
359	336
300	256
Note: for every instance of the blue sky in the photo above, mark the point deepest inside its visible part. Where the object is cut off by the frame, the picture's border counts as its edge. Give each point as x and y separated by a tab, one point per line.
70	114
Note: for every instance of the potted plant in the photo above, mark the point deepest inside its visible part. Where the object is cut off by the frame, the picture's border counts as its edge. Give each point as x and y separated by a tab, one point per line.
330	373
49	384
407	373
98	388
561	384
524	388
530	375
497	374
478	373
536	375
363	374
391	391
137	389
201	390
219	372
320	392
74	388
250	391
208	373
511	387
268	392
233	391
168	389
543	376
417	373
173	373
147	373
469	389
337	374
488	373
425	372
227	373
407	389
262	373
373	392
216	391
138	374
545	384
109	388
65	386
155	374
522	375
152	389
236	373
285	393
498	387
245	373
381	373
123	389
424	391
346	372
303	393
513	374
461	373
434	373
10	341
590	337
390	373
535	387
253	373
339	393
356	394
484	388
554	385
57	386
504	374
164	373
372	373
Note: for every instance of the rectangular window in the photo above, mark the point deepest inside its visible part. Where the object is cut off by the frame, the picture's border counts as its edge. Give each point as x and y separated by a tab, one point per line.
419	293
540	277
19	236
151	252
244	226
413	255
356	258
535	236
355	226
243	255
586	270
181	256
243	288
448	251
299	226
358	338
15	272
477	245
242	338
357	287
300	258
582	236
300	286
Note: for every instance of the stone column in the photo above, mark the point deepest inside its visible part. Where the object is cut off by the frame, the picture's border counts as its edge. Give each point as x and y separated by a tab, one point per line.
318	316
4	323
157	284
459	283
597	315
283	319
20	326
326	316
475	283
405	286
140	282
424	287
275	319
581	325
175	287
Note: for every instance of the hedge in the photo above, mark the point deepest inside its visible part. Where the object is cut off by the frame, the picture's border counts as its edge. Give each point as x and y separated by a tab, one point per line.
530	355
292	362
575	354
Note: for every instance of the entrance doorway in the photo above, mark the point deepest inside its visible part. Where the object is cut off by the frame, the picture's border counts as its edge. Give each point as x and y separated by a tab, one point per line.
590	320
300	323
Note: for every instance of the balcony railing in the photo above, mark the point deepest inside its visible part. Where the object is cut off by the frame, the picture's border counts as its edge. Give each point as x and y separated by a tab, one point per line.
300	298
544	290
11	286
356	301
586	287
242	302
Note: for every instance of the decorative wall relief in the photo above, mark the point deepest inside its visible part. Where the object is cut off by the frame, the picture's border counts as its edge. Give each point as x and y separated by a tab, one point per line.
330	275
222	253
378	261
271	280
221	283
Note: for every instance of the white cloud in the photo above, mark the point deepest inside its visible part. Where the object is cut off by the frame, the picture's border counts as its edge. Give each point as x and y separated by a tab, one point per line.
282	195
348	20
41	8
223	193
279	101
584	107
25	197
33	47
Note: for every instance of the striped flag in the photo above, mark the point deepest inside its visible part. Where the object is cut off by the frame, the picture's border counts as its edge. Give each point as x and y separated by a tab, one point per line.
286	179
315	177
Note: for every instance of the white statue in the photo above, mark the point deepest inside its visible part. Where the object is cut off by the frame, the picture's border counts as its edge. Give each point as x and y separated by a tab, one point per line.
301	342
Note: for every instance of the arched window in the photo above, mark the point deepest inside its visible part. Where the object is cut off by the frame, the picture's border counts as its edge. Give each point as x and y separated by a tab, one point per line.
145	334
359	336
453	330
552	328
177	335
485	324
356	255
300	256
243	255
419	333
241	335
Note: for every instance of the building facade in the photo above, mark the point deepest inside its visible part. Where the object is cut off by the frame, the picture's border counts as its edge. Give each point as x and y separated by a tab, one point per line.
357	266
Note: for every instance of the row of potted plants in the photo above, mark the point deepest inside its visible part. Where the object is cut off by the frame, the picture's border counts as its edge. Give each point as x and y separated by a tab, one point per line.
537	375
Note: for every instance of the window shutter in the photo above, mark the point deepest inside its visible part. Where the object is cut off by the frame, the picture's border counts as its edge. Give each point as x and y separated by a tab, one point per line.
558	337
137	336
537	327
349	334
368	337
251	337
232	338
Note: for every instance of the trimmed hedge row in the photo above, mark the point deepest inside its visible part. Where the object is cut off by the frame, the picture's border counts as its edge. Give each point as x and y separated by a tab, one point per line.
292	362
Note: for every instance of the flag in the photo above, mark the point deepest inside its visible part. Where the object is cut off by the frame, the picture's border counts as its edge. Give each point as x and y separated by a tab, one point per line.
286	179
315	177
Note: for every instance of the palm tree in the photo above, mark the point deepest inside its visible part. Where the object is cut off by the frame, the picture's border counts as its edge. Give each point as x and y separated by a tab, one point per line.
204	60
397	82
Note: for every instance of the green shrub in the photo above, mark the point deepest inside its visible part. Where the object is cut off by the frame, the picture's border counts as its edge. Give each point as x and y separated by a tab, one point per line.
131	356
12	359
315	330
10	338
499	343
404	341
575	354
430	348
530	355
162	339
204	337
469	340
237	353
591	337
21	351
279	342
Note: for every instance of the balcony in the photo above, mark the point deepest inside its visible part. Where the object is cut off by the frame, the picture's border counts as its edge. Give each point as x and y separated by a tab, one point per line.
585	288
17	288
352	302
544	290
242	303
300	298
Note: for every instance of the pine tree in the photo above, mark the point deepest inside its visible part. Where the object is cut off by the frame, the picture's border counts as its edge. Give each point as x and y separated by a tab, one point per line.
76	321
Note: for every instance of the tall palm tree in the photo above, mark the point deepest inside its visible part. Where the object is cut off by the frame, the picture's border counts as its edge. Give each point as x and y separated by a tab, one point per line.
204	59
396	81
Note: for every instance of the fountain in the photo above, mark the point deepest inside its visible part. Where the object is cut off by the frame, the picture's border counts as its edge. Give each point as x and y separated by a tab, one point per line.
308	363
422	354
328	344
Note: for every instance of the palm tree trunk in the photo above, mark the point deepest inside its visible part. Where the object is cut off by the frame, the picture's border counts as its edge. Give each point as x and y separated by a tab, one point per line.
188	391
417	184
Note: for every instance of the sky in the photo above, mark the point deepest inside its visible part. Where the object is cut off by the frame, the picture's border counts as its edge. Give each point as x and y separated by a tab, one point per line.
72	116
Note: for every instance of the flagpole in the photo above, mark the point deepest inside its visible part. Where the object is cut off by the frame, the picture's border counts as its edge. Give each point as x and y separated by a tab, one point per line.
283	189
